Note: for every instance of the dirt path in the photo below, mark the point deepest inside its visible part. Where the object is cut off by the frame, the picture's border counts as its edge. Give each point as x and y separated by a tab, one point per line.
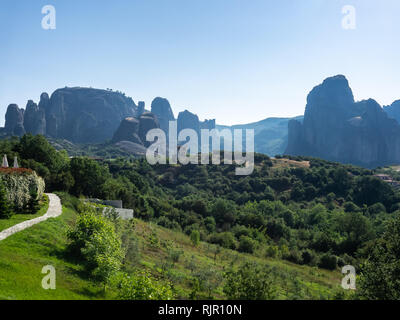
54	211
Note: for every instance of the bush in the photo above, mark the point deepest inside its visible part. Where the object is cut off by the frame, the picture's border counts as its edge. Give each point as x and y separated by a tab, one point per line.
328	261
272	251
21	185
308	257
195	237
94	241
224	239
294	256
247	244
5	210
141	286
250	282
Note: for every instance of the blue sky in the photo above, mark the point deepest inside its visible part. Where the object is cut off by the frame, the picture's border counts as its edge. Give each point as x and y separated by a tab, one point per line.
234	60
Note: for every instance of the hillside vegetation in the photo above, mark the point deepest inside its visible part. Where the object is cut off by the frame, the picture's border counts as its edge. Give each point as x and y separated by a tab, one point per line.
167	255
291	213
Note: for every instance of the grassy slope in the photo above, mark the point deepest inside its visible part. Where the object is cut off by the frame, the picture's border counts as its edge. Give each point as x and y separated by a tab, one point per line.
18	218
292	281
23	255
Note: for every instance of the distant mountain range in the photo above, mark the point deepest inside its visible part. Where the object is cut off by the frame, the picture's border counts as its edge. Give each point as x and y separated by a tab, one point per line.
270	135
92	116
334	126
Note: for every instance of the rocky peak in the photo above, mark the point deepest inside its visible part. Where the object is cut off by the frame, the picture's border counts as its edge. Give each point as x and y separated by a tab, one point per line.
34	119
188	120
162	109
337	128
141	108
147	121
128	131
14	121
393	111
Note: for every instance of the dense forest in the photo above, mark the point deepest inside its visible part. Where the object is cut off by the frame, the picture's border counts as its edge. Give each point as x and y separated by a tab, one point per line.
304	210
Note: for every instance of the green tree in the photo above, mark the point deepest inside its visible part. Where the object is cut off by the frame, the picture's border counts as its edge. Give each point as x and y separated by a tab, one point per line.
142	286
380	273
94	241
89	176
195	237
250	282
247	244
103	254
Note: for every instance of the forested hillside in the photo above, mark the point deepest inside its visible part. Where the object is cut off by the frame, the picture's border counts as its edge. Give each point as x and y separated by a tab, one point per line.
301	210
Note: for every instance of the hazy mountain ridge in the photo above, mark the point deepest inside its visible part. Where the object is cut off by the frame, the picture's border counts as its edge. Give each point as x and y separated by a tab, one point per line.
270	134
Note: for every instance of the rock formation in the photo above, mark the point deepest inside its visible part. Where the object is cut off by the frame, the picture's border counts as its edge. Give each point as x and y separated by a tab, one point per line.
393	111
147	121
87	115
14	121
81	115
128	131
188	120
337	128
34	119
140	109
135	129
208	124
162	109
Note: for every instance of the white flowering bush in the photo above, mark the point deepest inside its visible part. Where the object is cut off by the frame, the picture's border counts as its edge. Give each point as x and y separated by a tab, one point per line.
20	184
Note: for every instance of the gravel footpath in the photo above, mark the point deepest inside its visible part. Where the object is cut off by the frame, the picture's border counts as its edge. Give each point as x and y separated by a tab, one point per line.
54	211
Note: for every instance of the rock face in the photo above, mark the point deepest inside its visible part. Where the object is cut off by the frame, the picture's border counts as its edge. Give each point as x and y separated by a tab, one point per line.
188	120
80	115
135	129
337	128
208	124
147	121
393	111
34	119
128	131
14	121
86	115
140	109
162	109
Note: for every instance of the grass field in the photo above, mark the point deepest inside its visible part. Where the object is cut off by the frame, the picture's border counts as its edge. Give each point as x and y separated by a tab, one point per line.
165	253
18	218
23	255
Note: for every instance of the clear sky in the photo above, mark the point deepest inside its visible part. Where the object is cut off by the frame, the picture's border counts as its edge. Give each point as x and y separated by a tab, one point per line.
237	61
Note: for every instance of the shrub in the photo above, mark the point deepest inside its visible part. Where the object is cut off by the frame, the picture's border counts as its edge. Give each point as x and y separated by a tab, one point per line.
224	239
247	244
328	261
33	203
294	256
141	286
308	257
21	185
95	242
250	282
5	211
272	251
195	237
